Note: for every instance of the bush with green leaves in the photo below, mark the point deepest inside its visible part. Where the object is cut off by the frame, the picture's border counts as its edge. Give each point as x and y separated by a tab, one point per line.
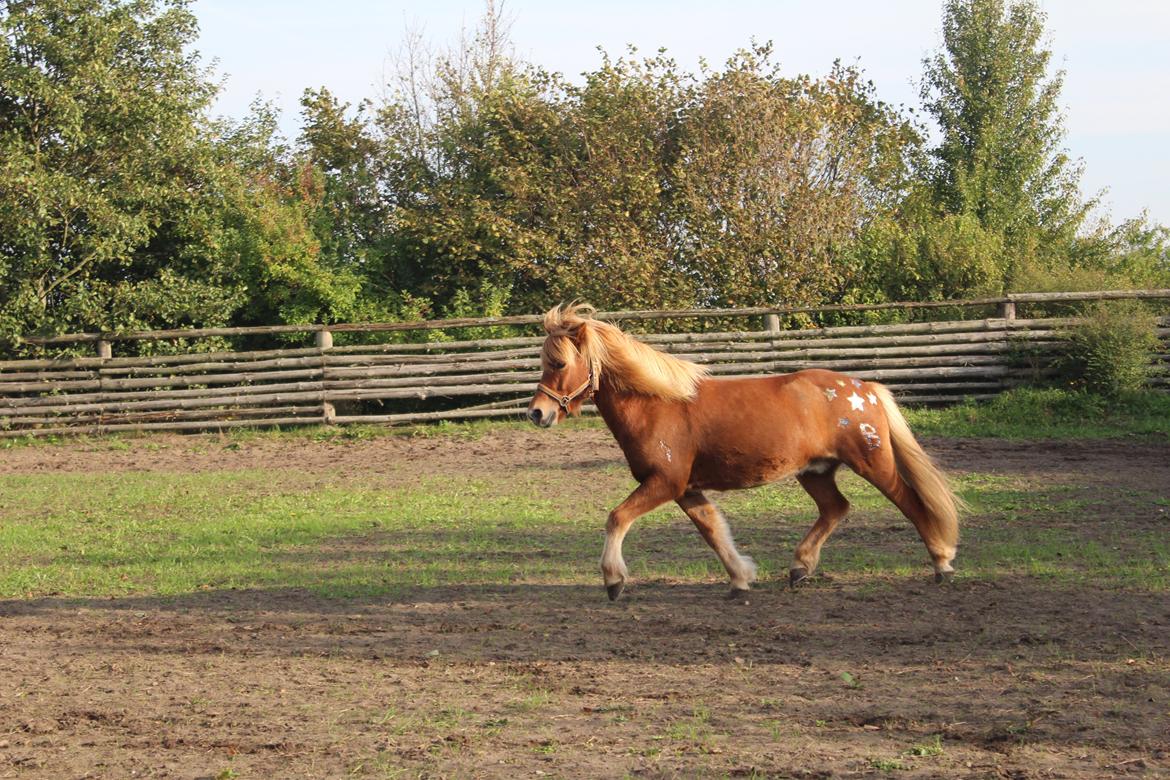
1112	347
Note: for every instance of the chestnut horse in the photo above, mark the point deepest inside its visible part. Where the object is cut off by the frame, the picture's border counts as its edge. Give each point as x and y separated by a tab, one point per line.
683	432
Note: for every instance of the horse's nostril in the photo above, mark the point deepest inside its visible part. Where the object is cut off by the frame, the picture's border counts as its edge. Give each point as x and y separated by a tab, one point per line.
534	415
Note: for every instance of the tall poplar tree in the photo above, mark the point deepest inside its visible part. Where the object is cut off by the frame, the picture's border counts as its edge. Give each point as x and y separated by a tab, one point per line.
1001	161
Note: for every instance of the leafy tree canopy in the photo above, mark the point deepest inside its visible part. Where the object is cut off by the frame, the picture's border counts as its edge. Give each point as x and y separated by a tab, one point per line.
484	184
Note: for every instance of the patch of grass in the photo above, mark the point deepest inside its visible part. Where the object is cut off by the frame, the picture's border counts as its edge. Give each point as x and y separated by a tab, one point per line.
534	701
777	729
462	429
1025	413
180	533
887	765
695	731
1049	414
932	748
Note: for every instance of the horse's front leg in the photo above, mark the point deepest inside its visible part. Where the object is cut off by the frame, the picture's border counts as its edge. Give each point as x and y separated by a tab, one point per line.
713	526
652	493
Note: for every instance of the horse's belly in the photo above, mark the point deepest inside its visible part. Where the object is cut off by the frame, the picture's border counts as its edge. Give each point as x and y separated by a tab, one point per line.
731	471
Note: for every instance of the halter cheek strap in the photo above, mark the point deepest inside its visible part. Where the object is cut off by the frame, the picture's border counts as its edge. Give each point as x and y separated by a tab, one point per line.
565	400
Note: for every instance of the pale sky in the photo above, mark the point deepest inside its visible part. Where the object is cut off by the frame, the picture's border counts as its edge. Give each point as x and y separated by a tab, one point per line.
1116	56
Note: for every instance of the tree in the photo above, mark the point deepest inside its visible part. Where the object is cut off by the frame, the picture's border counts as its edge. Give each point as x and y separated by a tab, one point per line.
621	130
467	140
1000	168
257	214
99	121
777	177
352	221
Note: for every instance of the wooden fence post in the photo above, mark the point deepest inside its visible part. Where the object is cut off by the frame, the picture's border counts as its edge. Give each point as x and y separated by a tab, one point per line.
772	323
324	340
105	349
1007	310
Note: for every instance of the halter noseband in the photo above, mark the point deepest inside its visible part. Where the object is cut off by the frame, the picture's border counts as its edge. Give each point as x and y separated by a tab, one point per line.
565	400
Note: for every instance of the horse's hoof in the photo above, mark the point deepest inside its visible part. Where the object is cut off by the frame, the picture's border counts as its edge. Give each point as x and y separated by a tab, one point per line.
614	590
797	576
943	576
738	593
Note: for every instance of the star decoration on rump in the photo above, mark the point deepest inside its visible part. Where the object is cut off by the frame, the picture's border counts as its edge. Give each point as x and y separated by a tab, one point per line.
857	402
871	398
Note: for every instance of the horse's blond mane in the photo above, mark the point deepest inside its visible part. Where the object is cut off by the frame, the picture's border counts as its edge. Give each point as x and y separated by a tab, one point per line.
628	364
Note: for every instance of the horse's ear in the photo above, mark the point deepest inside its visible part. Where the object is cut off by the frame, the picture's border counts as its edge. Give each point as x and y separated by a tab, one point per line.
590	346
559	320
572	320
580	334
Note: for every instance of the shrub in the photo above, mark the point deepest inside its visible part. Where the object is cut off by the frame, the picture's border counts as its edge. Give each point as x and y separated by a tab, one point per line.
1111	349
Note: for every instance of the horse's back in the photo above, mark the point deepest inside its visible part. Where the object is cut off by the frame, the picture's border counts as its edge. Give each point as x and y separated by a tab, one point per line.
790	395
758	429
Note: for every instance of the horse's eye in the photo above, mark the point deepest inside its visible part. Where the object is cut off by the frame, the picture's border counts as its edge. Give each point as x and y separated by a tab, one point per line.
555	365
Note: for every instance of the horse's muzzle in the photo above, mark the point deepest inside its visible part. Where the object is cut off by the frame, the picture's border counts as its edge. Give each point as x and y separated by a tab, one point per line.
537	417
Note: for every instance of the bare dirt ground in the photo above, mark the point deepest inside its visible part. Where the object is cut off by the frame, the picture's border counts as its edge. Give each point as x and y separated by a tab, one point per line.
888	676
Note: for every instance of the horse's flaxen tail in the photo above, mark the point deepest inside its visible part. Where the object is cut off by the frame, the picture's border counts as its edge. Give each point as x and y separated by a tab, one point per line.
918	470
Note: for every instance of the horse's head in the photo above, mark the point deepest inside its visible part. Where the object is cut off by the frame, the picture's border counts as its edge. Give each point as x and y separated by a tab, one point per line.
569	370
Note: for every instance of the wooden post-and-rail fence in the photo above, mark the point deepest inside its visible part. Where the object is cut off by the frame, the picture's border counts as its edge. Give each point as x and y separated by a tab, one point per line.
934	362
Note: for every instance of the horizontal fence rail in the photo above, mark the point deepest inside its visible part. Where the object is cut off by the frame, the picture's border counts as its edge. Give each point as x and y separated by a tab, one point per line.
922	362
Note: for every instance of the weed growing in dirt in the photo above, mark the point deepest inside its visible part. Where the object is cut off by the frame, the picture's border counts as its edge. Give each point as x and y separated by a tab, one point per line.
932	748
887	765
694	732
533	701
545	747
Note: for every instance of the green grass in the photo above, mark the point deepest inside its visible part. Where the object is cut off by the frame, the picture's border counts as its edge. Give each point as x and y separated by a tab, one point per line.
887	765
94	535
178	533
1049	414
932	748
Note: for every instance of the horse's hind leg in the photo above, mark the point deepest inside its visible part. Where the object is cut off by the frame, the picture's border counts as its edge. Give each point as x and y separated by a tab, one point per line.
883	474
713	526
822	486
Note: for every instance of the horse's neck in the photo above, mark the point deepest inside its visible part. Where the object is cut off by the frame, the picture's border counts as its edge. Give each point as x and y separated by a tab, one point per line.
626	414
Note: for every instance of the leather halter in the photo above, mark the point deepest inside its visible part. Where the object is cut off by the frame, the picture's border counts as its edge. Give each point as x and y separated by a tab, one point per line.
565	400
